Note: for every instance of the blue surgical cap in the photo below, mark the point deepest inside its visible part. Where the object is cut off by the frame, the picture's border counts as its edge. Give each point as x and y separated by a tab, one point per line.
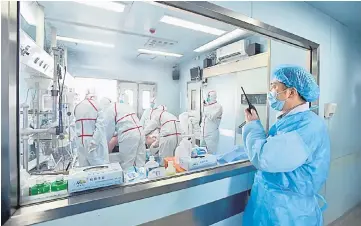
298	78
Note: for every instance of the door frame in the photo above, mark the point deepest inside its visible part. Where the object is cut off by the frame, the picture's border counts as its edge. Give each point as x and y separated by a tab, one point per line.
138	83
201	92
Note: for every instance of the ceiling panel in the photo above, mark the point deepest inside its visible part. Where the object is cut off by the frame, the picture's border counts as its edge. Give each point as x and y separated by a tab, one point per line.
128	31
76	12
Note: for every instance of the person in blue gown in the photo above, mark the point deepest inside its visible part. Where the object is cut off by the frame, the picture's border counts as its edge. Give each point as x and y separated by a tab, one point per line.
293	160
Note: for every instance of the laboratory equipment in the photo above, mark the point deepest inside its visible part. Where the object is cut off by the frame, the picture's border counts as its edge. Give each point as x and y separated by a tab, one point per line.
183	150
134	174
177	167
170	170
153	170
189	163
59	184
91	177
150	165
45	132
198	152
41	187
156	173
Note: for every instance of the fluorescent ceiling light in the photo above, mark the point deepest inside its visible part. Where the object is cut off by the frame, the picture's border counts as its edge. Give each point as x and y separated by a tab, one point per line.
113	6
88	42
190	25
221	40
26	10
159	53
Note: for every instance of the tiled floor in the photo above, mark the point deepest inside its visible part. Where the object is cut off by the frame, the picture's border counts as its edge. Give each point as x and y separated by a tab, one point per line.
352	218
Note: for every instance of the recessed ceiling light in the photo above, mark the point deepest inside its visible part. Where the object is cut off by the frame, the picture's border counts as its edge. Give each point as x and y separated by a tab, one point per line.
82	41
190	25
221	40
147	51
113	6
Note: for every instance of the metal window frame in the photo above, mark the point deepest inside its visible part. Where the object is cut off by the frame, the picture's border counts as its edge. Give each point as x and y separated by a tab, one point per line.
10	13
10	193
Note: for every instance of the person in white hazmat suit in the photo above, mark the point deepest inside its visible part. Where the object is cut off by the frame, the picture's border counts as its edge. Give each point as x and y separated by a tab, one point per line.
130	134
107	113
169	132
90	130
189	124
147	112
212	116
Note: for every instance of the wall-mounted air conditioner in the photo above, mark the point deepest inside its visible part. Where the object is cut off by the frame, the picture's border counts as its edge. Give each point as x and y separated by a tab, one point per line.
37	61
232	51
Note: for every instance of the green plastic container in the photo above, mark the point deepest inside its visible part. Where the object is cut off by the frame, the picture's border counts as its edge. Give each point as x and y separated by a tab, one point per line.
59	185
41	187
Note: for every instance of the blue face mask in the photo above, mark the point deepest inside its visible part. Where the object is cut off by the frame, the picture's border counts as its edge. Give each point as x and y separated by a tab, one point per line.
152	105
275	103
208	99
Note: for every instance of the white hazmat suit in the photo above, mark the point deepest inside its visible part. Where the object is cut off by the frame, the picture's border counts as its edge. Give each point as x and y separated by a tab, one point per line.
212	116
107	112
190	124
131	138
90	130
170	132
147	112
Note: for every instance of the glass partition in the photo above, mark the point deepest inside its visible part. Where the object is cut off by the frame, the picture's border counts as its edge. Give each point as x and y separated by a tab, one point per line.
138	92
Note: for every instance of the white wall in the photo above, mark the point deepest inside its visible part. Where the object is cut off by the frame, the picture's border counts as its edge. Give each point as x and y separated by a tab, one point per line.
161	74
340	82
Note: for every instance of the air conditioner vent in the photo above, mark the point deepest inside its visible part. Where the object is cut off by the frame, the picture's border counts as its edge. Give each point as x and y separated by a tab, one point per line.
159	43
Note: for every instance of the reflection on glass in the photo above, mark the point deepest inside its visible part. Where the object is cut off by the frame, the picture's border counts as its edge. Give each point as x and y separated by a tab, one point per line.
146	99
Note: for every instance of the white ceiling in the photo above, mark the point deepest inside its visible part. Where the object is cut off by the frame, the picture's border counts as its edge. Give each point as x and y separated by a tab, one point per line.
128	31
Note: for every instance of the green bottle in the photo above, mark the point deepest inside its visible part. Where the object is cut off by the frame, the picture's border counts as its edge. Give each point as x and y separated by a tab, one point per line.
41	187
59	185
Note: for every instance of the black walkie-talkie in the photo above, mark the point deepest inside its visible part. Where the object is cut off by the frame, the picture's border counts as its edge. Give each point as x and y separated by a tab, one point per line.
250	107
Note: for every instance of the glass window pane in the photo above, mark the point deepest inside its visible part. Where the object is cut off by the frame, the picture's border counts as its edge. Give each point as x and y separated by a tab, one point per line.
146	99
130	96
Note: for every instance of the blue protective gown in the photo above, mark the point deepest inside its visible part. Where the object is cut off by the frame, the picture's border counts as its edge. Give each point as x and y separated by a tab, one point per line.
293	164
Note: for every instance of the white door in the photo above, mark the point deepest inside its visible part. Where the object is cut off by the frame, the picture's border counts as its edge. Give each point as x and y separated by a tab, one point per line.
194	106
131	90
146	93
253	81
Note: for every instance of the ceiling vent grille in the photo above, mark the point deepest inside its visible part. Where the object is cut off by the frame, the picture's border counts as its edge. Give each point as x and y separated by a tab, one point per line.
160	43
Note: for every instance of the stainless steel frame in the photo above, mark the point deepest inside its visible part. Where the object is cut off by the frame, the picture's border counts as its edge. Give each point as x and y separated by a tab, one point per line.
9	107
102	199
